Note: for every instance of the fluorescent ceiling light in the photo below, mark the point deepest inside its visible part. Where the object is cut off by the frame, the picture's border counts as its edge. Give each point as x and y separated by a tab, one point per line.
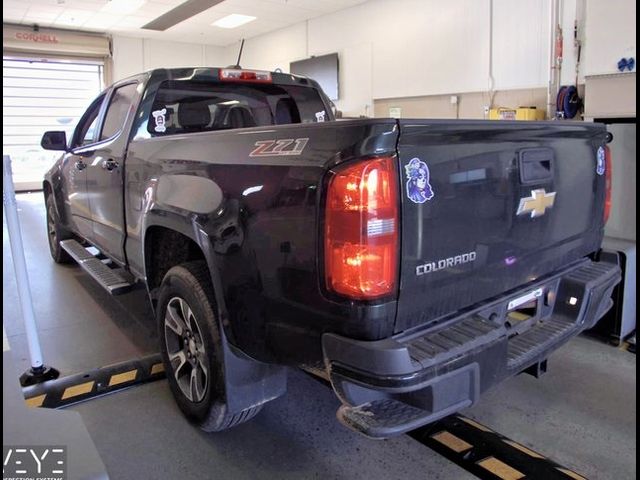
123	7
232	21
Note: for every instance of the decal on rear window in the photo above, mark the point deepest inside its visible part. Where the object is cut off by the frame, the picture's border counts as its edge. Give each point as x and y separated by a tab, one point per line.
158	116
320	116
418	188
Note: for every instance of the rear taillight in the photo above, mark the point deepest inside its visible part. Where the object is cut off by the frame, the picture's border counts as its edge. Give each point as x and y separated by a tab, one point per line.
237	75
607	182
361	229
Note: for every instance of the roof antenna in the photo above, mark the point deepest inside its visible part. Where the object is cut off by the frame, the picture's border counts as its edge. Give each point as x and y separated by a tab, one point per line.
237	65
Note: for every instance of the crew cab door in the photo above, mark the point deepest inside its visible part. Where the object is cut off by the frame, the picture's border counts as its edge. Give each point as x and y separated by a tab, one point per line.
74	171
105	185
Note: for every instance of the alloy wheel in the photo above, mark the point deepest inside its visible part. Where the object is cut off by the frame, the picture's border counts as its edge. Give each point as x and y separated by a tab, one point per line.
186	350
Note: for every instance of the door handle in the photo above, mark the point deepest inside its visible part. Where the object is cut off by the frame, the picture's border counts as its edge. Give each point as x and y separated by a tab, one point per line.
109	164
536	165
80	165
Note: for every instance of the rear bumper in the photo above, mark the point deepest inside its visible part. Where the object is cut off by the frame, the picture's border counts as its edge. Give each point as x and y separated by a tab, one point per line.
421	376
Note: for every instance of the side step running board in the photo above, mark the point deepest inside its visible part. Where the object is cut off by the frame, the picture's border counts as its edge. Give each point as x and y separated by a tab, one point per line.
107	277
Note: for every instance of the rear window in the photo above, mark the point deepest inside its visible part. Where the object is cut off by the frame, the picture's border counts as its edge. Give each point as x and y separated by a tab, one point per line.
185	106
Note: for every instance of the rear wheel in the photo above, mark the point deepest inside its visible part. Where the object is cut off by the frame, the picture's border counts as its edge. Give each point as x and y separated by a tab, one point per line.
55	234
191	347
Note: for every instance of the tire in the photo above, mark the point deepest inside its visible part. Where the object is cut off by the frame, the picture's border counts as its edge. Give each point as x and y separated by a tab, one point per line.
55	234
190	340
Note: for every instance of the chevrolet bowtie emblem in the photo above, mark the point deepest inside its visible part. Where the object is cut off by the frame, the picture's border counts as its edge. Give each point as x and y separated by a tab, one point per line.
537	203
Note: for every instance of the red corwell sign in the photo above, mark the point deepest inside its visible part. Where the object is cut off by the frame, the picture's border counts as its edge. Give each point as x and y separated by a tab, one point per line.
36	37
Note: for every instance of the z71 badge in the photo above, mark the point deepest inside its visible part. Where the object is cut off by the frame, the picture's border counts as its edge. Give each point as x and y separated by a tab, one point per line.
276	148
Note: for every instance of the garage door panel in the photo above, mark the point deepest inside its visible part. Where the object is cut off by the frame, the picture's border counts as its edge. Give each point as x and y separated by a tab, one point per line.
55	66
40	96
41	120
50	84
37	111
21	91
22	139
62	74
46	102
33	130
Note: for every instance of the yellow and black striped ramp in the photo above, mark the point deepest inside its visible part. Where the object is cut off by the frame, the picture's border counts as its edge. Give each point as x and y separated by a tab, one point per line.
94	383
487	454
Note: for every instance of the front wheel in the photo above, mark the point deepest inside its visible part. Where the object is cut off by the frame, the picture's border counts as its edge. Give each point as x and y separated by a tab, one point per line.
55	233
191	347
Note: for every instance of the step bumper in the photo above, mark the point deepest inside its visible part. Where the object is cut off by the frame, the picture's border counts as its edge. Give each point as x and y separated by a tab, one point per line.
394	385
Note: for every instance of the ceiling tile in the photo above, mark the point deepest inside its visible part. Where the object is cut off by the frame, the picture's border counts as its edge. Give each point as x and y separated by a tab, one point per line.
13	12
86	14
102	21
133	22
35	15
73	18
84	4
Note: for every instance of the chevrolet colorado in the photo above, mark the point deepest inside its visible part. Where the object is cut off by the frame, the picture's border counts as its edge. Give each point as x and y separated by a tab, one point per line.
411	263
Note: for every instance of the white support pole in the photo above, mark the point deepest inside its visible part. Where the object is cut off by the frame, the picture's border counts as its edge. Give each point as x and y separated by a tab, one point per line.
19	264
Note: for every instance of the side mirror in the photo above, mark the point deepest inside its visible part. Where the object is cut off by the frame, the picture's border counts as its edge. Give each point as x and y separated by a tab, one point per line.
54	141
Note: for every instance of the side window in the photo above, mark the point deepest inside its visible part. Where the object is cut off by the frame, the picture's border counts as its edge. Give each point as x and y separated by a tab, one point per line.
310	106
85	132
90	136
191	106
119	106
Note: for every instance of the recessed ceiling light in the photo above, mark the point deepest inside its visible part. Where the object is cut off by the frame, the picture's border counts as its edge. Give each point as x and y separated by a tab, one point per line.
123	7
232	21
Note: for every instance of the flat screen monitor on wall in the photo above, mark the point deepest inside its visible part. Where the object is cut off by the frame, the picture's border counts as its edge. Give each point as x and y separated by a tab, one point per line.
323	69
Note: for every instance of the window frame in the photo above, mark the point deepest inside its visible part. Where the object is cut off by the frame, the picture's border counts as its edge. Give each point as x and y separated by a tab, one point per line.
107	95
97	103
107	104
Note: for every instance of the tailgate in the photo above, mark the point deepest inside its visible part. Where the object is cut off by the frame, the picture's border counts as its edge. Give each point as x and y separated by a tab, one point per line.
491	206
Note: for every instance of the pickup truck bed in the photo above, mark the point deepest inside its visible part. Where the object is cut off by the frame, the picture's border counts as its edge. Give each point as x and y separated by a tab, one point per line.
413	263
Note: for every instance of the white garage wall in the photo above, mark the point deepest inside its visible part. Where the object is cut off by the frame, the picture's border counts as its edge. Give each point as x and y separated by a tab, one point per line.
218	56
572	9
172	54
520	44
135	55
404	48
128	57
273	50
622	222
611	34
430	47
415	48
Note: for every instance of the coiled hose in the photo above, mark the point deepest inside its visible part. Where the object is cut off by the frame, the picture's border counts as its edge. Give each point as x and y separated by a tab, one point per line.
568	102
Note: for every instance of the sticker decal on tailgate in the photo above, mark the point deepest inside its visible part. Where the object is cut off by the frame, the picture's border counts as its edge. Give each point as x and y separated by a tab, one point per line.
600	164
419	189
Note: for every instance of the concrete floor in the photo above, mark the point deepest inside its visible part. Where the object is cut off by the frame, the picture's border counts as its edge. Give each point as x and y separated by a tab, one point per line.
81	326
582	413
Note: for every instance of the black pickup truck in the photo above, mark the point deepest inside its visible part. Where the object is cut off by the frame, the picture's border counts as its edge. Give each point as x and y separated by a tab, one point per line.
411	263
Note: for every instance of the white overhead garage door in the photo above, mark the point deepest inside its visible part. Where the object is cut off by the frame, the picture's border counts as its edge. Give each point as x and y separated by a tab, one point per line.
39	96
